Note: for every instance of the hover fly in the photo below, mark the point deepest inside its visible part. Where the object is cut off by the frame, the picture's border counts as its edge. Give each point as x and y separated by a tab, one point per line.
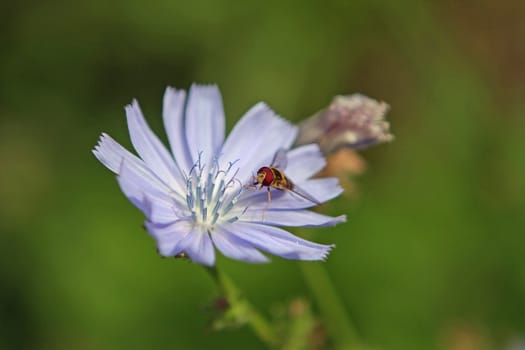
273	177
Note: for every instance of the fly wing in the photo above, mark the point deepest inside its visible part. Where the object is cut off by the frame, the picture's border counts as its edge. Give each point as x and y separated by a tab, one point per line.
302	193
280	160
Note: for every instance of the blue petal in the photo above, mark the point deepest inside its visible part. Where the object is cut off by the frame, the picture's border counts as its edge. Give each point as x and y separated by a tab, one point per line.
277	241
168	236
290	218
198	246
163	211
256	138
151	150
136	185
236	248
204	122
304	162
173	116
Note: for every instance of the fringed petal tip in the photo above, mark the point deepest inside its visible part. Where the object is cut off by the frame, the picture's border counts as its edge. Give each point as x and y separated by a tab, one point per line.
322	255
340	218
102	139
328	251
278	119
110	153
204	88
132	105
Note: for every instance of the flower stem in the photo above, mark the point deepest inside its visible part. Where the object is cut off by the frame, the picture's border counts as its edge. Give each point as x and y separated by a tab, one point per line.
338	324
241	310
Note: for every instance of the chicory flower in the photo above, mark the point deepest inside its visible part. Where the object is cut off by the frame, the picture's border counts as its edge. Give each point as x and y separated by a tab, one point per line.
201	194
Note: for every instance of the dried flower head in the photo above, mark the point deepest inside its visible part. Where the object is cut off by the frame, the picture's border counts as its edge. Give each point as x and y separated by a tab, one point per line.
355	121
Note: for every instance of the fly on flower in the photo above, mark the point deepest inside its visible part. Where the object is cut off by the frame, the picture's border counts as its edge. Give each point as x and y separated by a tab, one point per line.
273	177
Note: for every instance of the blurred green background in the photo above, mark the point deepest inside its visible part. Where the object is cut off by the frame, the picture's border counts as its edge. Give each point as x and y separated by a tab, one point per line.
432	256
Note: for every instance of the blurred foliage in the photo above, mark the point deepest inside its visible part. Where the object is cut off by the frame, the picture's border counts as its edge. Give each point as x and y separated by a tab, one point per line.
432	254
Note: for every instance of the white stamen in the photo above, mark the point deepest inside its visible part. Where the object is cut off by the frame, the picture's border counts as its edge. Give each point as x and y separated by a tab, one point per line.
212	193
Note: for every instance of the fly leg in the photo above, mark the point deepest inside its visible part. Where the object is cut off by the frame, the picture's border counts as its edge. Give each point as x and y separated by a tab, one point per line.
268	203
252	185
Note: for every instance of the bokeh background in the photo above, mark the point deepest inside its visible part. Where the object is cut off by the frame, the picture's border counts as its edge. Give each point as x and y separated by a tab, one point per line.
432	256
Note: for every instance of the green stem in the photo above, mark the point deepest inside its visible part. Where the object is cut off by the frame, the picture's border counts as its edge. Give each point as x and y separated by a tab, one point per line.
242	310
332	308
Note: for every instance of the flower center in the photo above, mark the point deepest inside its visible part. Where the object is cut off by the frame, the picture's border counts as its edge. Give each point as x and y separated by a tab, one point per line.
212	193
